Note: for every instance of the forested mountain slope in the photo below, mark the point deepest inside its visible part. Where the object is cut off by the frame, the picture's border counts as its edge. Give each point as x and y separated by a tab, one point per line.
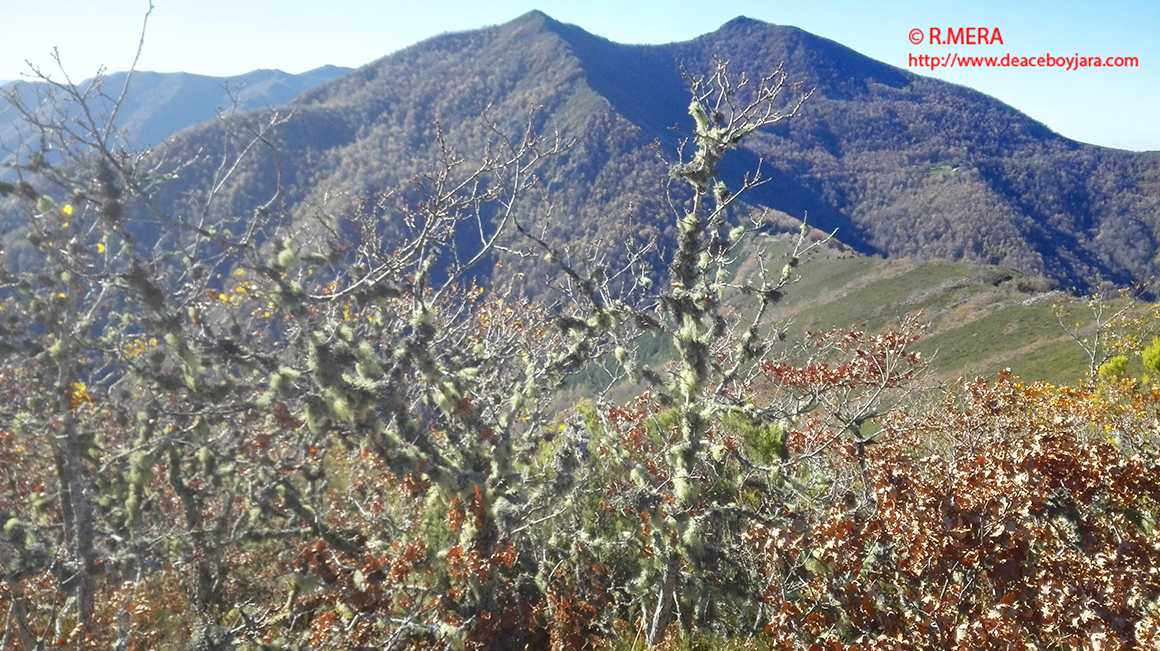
901	164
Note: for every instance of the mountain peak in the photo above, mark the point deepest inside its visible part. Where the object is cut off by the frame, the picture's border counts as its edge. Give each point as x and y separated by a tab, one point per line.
533	18
743	21
534	14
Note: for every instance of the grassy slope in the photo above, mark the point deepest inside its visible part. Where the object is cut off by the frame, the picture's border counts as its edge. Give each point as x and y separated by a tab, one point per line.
982	319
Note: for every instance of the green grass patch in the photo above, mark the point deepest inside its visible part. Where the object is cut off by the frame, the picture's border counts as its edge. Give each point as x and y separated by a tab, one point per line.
980	320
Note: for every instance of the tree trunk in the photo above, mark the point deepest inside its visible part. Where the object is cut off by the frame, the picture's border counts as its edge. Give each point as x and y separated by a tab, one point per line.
71	448
664	611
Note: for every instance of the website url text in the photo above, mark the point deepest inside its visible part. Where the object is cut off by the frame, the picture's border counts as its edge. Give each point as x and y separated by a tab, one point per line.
952	60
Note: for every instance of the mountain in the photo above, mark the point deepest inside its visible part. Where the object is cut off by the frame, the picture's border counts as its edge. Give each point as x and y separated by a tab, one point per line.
161	104
900	164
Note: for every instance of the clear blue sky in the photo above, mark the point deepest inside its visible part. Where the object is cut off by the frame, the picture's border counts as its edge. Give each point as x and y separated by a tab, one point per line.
1111	107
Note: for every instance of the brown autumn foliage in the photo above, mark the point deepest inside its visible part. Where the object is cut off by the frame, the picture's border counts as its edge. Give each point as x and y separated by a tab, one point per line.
1006	515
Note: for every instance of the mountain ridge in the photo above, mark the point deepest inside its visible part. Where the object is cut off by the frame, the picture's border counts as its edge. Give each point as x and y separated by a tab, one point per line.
160	104
902	165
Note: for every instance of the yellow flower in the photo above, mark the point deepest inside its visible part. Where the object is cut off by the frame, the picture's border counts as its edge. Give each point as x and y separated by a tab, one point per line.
67	210
80	394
